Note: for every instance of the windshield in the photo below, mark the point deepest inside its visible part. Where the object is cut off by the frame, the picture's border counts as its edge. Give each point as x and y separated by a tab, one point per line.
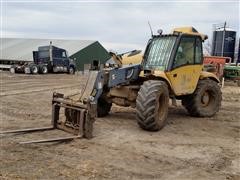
158	52
43	54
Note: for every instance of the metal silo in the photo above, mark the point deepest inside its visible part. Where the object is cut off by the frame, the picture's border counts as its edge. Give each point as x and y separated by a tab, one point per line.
223	43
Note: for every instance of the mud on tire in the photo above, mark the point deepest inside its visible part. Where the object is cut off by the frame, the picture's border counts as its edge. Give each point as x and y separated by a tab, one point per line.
103	107
205	101
152	105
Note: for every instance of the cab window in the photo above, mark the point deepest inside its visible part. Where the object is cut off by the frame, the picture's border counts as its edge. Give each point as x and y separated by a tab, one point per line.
198	52
185	52
57	54
64	54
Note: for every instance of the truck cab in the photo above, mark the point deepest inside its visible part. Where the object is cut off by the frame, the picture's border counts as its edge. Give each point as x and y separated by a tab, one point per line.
53	59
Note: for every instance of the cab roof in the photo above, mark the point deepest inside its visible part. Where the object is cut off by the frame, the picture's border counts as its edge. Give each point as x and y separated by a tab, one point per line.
191	31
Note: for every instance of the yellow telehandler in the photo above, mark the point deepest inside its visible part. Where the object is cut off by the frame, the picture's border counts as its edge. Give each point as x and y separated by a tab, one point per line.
171	67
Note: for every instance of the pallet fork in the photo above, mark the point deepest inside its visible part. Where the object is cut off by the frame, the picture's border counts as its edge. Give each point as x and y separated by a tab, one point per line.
81	125
81	109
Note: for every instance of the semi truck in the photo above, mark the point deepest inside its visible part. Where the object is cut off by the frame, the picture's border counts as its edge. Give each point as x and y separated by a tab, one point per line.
46	59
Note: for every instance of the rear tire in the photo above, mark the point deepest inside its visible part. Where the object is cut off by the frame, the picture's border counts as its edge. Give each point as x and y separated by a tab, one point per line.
27	70
34	69
12	70
103	107
152	105
205	101
44	69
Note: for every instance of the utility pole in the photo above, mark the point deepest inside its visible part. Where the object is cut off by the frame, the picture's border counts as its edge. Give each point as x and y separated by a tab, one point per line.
223	40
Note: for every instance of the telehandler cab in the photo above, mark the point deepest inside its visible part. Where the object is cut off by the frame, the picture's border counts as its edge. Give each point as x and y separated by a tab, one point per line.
171	67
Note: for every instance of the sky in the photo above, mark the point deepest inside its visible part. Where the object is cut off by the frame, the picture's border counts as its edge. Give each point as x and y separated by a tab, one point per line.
117	25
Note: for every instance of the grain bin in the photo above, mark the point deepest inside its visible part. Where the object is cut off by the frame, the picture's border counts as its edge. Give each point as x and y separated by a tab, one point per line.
223	43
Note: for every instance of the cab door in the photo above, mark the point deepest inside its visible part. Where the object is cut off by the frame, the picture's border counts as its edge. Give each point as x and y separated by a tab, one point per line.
186	66
59	57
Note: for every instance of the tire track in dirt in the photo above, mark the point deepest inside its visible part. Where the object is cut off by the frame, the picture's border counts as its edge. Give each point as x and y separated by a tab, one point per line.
36	90
186	148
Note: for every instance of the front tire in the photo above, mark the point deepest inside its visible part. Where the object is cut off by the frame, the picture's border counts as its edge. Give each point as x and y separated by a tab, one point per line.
205	101
71	70
152	105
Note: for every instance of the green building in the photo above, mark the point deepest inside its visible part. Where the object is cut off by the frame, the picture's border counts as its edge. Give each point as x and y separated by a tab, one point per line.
94	51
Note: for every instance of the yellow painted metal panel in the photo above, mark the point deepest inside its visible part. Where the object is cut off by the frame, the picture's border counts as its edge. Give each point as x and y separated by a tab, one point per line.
157	74
136	59
184	79
205	74
141	74
190	31
161	74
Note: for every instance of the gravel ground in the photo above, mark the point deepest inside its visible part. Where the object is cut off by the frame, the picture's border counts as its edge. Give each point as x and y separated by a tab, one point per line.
187	148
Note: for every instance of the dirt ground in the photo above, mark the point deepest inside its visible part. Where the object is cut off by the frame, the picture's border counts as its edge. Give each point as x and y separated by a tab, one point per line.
187	148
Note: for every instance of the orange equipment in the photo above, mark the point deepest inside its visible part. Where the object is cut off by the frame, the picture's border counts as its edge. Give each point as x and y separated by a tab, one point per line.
215	64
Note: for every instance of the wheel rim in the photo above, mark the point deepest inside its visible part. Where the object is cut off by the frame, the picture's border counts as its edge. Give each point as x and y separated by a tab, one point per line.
44	70
26	70
205	99
71	70
34	70
12	70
